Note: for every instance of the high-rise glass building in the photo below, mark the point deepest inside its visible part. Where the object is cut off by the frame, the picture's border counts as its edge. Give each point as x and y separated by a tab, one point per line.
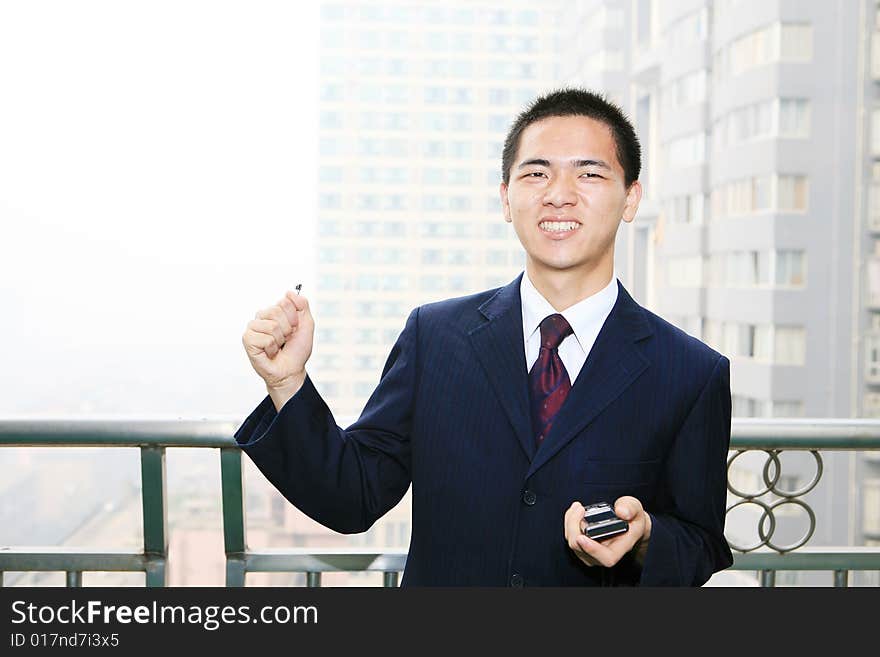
415	101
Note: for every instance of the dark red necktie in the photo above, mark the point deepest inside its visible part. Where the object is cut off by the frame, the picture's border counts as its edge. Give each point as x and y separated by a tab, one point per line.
548	381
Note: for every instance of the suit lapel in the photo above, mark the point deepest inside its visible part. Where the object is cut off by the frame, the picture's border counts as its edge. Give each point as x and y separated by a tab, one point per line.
499	348
613	364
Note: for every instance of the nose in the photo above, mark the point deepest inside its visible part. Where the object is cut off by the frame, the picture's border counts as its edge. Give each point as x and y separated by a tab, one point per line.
560	192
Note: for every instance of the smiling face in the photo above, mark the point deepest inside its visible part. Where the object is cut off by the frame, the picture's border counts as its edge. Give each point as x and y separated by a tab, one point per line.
566	197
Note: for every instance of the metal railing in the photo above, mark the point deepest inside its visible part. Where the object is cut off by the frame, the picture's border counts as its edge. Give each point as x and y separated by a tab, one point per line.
152	438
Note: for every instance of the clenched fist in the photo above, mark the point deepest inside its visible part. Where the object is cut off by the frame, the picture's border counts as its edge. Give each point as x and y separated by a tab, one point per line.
278	342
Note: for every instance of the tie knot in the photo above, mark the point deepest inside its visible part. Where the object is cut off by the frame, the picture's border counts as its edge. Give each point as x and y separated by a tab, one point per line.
554	329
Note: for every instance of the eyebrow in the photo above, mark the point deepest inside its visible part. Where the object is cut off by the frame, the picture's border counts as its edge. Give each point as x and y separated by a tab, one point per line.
577	163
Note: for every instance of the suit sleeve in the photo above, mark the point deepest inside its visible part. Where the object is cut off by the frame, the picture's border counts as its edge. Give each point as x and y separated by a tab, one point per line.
687	543
345	479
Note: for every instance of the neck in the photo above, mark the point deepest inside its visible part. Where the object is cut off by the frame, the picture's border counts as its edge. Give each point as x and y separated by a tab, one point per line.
563	289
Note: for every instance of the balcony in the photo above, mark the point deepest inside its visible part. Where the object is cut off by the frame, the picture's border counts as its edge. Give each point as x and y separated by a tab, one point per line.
768	439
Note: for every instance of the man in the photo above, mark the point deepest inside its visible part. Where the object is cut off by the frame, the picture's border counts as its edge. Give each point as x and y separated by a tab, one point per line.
512	409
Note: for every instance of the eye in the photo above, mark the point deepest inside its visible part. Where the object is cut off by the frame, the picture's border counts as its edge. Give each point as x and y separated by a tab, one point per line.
591	175
534	174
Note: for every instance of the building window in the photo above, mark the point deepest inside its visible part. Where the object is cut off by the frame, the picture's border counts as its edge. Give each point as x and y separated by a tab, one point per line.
689	30
365	308
791	193
689	89
459	257
459	203
327	228
330	201
434	202
790	268
742	406
875	132
793	117
458	283
366	228
331	120
763	346
781	193
460	149
329	309
432	257
367	282
497	231
792	42
790	345
394	282
459	177
494	257
394	229
872	358
331	282
330	174
367	202
780	408
461	122
871	507
328	255
871	405
329	335
499	96
366	336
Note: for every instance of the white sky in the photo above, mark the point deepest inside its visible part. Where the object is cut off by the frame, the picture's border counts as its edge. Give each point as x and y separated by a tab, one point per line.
157	187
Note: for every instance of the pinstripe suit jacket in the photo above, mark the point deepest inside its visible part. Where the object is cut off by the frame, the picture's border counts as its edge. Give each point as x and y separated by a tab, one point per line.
648	416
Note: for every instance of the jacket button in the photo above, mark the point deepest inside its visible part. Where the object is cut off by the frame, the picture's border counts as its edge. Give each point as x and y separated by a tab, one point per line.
529	497
516	581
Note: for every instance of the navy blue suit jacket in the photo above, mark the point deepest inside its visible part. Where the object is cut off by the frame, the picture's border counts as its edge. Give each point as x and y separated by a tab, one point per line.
648	416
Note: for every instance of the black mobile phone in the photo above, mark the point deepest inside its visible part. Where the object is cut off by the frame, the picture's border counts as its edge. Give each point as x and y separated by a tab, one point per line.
602	523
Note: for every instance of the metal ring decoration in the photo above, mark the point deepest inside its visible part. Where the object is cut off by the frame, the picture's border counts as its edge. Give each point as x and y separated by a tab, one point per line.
796	493
770	484
787	497
767	513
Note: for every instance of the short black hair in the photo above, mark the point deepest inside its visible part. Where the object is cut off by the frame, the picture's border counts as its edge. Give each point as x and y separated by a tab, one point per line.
572	101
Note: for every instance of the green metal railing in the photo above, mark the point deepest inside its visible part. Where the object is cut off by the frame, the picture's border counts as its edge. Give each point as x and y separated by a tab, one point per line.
152	438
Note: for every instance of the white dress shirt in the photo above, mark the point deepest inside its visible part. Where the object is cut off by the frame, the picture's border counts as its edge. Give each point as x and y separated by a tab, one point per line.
586	318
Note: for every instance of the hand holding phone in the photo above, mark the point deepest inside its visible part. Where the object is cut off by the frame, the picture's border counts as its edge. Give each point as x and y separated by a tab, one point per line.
600	522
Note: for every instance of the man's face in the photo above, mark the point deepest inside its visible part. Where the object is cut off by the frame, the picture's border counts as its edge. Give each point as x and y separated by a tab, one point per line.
567	195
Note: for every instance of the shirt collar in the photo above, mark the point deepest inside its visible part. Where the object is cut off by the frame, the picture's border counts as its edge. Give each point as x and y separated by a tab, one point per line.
582	316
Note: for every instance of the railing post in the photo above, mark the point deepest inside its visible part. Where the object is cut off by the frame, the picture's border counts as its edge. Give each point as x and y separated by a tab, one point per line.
390	580
841	578
153	497
235	571
74	579
155	572
768	578
232	487
1	579
313	580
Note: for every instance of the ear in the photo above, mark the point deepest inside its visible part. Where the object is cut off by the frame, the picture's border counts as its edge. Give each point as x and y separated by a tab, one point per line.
505	204
633	198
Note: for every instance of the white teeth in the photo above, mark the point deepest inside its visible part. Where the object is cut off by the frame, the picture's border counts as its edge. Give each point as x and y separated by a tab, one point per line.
558	226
